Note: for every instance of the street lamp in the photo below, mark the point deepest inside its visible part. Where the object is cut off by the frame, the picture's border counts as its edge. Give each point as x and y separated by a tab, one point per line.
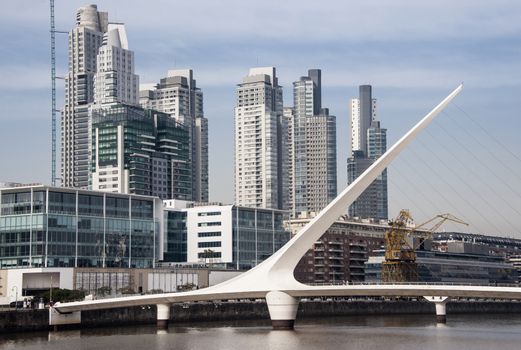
50	292
16	297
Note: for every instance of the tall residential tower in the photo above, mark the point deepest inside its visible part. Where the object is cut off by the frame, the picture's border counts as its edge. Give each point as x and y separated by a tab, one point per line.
85	40
178	95
313	182
261	170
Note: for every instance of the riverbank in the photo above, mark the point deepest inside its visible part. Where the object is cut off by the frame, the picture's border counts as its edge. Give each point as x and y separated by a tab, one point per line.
34	320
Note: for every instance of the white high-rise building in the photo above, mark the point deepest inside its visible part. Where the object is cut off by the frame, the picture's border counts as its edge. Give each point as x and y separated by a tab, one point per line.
260	142
178	95
84	41
115	81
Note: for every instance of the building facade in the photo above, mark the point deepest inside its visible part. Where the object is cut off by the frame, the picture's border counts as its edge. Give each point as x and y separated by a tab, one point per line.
115	80
339	256
225	235
44	226
140	151
260	143
178	95
85	40
455	267
312	147
368	143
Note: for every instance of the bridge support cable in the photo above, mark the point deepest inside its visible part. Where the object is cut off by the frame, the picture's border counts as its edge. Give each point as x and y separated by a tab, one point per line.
455	191
163	315
470	189
283	310
408	198
441	307
418	190
480	161
445	200
496	140
475	175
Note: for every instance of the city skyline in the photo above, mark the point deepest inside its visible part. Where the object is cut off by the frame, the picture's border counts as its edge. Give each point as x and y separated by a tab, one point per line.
394	62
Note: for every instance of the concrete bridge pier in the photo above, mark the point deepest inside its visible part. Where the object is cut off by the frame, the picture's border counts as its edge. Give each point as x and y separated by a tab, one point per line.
283	310
441	308
163	315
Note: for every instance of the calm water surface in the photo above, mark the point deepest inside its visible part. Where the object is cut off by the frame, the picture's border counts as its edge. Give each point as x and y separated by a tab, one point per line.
492	331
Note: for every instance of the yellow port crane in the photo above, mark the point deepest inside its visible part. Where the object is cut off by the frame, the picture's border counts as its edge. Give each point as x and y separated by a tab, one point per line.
401	242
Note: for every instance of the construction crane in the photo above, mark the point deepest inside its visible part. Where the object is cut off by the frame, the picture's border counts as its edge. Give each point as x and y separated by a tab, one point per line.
53	32
403	239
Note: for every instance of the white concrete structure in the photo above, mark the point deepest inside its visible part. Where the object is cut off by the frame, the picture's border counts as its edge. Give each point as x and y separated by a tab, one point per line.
273	279
209	234
259	143
15	280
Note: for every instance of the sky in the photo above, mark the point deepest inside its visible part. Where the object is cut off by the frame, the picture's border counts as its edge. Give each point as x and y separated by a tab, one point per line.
413	53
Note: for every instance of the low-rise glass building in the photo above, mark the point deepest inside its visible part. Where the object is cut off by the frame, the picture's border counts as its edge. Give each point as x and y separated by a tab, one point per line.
43	226
435	266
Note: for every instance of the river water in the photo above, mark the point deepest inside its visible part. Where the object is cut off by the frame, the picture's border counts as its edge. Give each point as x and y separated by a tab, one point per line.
486	331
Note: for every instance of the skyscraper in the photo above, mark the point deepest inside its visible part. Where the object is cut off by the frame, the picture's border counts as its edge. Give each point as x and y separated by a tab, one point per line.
84	41
368	143
313	147
178	95
260	141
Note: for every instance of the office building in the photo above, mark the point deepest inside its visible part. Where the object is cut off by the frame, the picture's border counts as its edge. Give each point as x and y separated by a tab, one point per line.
178	95
233	236
261	170
140	151
313	182
368	143
43	226
85	40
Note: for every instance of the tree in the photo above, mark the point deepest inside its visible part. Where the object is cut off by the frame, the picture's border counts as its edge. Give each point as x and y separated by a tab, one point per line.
208	254
64	295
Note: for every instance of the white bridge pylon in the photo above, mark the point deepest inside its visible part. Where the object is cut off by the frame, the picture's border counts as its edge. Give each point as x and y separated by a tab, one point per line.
273	279
276	272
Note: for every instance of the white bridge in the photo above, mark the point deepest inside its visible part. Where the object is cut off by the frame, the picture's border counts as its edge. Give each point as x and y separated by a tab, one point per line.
273	278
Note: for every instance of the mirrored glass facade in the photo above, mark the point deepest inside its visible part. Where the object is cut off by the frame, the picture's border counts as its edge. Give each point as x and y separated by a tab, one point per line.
55	227
257	234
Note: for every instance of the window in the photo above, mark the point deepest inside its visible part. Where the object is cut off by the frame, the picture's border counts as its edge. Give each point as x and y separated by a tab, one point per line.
209	244
209	234
205	224
210	213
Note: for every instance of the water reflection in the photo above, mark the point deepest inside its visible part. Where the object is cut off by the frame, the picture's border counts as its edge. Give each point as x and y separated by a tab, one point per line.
400	332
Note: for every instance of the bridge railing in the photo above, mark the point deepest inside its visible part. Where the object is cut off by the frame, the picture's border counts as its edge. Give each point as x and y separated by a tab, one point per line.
342	283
